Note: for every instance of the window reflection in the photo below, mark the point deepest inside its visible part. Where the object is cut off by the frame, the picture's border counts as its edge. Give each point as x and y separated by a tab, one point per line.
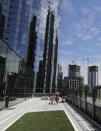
12	59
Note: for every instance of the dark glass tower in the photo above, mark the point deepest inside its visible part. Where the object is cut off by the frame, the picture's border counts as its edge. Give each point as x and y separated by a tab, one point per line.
19	31
48	53
93	76
32	43
74	71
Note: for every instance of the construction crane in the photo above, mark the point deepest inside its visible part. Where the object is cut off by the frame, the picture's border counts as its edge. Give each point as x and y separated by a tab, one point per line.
73	62
87	60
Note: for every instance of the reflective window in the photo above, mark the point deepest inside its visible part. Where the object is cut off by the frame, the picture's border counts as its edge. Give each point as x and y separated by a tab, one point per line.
19	18
12	60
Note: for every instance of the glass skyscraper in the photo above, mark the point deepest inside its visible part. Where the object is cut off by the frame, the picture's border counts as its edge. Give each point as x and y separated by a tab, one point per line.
18	16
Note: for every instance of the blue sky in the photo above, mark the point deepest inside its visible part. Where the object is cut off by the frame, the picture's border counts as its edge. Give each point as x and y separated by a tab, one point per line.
80	35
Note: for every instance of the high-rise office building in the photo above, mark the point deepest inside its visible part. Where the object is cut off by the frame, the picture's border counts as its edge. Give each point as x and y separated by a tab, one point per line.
74	80
19	16
74	71
93	75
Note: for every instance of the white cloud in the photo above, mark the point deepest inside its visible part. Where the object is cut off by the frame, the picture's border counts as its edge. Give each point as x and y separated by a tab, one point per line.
85	11
96	57
77	27
99	38
91	18
86	48
67	5
98	44
67	42
87	34
86	37
79	35
85	29
95	30
64	52
97	9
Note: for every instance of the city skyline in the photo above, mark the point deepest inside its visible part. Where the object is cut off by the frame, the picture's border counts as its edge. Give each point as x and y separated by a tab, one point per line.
80	35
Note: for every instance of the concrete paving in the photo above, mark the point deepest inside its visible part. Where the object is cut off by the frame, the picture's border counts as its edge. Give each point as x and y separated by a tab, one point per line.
10	115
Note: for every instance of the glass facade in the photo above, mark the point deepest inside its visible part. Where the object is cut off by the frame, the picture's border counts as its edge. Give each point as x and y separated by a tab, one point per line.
18	17
13	85
11	63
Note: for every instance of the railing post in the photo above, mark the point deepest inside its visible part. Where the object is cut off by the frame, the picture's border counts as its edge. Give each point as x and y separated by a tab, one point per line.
6	97
85	100
93	103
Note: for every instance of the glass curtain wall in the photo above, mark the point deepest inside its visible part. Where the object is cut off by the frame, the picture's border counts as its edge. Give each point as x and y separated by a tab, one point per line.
9	62
18	17
14	86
